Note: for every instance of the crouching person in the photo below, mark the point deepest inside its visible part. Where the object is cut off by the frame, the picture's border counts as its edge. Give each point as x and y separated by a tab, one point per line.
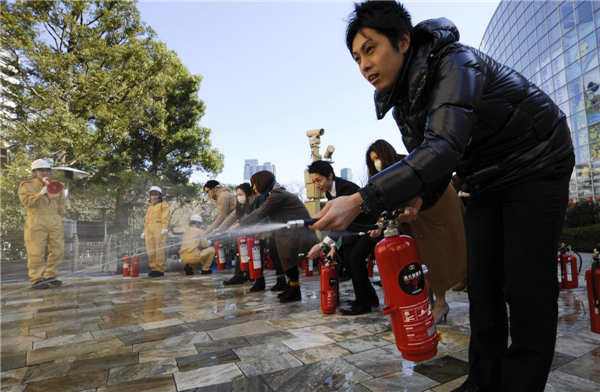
195	251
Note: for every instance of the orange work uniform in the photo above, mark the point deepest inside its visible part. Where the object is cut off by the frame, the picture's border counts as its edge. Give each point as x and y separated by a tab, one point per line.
157	219
43	227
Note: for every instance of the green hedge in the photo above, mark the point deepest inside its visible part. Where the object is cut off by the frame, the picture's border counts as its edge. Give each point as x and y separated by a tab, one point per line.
582	239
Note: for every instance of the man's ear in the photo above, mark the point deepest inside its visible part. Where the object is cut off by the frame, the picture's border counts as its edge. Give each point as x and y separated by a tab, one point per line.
330	176
404	43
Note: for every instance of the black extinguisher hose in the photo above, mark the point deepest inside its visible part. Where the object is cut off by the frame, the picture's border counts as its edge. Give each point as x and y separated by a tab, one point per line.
357	227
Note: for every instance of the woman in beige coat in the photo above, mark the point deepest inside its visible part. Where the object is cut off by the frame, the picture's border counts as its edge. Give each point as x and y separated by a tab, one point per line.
438	233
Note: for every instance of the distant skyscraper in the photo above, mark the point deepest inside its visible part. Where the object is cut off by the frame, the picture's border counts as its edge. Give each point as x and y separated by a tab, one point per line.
251	166
346	174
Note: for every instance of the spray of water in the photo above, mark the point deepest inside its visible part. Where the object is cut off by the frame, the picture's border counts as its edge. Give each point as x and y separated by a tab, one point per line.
242	231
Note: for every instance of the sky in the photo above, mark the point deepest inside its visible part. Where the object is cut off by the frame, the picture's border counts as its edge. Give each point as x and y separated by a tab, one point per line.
273	70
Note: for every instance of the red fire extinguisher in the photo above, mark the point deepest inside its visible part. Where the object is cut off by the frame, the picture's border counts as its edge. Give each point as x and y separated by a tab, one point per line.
370	266
569	275
220	252
329	287
135	266
268	260
592	277
403	281
255	264
243	252
321	260
126	261
310	266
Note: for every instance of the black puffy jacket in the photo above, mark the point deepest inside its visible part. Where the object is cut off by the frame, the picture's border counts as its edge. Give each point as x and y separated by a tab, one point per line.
461	111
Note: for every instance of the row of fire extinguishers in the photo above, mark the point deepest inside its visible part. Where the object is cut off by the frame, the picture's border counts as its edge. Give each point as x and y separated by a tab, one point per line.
403	281
131	266
250	256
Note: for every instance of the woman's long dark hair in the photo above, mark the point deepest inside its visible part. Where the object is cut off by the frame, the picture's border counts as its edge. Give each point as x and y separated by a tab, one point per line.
386	153
241	210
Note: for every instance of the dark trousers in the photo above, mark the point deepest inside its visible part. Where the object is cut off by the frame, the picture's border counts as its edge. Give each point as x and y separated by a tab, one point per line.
363	289
344	254
512	242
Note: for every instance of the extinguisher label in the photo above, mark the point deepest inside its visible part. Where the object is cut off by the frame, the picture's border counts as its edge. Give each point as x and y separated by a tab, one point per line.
256	257
411	279
569	275
333	282
310	264
244	253
221	256
418	322
125	265
559	272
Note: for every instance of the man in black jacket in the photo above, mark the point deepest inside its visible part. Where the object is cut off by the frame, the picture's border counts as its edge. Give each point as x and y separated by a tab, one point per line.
461	111
321	173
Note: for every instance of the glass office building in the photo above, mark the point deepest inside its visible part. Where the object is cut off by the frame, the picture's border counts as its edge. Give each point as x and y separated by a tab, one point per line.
554	44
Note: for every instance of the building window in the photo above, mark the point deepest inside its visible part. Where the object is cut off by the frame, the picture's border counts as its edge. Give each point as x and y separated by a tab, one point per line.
576	104
584	9
582	155
554	34
561	95
569	38
591	78
588	62
568	23
565	8
573	71
577	121
586	27
580	138
571	54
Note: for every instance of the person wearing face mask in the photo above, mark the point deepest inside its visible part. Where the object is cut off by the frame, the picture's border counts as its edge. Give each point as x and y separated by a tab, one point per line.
155	231
438	233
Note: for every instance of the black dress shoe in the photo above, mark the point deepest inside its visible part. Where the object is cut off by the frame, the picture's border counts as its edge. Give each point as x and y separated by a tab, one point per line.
188	270
234	280
259	285
345	278
156	274
206	272
374	304
354	311
468	386
291	295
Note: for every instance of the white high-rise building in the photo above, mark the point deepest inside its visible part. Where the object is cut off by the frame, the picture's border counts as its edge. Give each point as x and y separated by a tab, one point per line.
346	174
251	166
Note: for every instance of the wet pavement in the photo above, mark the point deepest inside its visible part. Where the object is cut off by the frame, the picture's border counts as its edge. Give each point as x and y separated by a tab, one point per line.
191	333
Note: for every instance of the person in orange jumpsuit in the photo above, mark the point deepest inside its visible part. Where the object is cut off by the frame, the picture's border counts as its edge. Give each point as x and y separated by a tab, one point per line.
43	227
195	250
155	231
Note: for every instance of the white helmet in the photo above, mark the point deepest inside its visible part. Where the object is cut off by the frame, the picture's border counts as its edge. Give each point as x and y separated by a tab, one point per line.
196	218
155	188
39	164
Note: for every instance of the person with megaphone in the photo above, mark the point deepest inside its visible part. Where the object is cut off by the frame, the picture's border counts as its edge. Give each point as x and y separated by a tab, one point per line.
45	203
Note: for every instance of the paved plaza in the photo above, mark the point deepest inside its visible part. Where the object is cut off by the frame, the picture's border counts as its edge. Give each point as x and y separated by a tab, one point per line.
191	333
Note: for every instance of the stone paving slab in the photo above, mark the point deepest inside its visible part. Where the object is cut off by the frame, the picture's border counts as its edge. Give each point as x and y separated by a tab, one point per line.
191	333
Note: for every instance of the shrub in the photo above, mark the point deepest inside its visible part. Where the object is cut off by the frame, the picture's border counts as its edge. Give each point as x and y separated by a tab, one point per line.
582	239
582	214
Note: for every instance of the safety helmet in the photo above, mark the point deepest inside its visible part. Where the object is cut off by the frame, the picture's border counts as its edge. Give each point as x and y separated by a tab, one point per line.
196	218
155	188
39	164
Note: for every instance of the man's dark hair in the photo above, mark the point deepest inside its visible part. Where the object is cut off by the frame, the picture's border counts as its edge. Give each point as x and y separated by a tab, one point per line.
323	168
388	18
211	184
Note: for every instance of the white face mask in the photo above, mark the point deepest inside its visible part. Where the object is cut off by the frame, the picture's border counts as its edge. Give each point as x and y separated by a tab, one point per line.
241	199
377	164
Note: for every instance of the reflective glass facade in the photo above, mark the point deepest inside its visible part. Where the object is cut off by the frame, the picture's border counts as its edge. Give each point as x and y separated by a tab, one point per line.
554	44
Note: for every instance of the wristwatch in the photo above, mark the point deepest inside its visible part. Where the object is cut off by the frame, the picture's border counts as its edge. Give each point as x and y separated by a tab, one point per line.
363	206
